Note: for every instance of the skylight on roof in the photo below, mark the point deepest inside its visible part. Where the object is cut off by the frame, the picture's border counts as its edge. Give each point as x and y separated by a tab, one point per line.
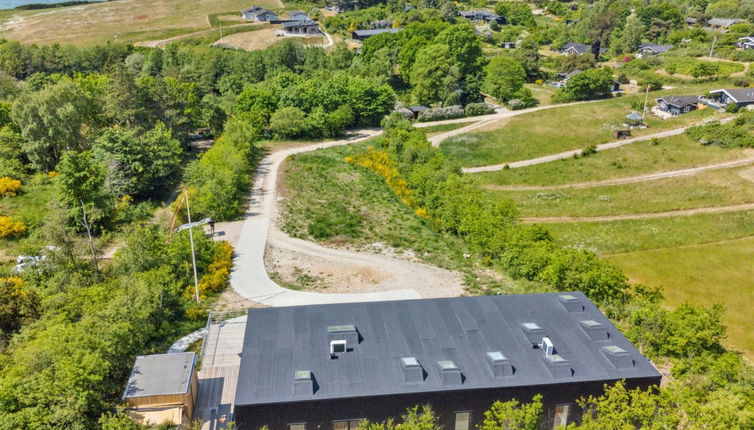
531	326
614	349
568	297
555	358
410	361
447	365
302	375
496	356
591	323
340	328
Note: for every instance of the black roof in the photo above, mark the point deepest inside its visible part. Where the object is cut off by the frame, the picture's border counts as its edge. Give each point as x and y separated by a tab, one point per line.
474	333
740	95
376	31
300	23
680	101
657	49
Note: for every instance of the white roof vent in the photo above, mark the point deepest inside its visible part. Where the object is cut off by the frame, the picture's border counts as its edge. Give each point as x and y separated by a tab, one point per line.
571	303
338	347
595	330
412	370
449	373
547	346
499	364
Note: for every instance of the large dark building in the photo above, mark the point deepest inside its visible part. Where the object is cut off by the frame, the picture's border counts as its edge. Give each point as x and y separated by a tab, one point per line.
329	366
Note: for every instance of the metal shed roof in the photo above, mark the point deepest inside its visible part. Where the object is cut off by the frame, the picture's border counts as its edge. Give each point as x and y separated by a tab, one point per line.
280	341
160	374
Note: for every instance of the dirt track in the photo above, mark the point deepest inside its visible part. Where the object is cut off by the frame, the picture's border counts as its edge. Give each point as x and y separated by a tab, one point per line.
681	212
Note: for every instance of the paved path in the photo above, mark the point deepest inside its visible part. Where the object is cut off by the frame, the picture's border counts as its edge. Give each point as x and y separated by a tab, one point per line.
679	212
629	180
569	154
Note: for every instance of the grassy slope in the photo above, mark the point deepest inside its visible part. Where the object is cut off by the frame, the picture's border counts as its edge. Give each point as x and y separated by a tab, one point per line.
708	189
673	153
561	129
116	21
690	274
29	207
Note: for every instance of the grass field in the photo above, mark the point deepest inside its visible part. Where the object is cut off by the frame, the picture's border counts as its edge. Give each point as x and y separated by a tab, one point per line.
672	153
121	20
693	274
707	189
560	129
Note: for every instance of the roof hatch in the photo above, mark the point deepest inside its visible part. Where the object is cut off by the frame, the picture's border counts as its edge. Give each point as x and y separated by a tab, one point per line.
571	303
347	332
558	366
595	330
533	332
449	373
618	357
412	370
499	364
303	383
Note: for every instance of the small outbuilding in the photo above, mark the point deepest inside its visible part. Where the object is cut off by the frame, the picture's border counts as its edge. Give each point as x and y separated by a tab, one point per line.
162	388
365	34
573	48
634	120
647	49
256	13
746	42
416	110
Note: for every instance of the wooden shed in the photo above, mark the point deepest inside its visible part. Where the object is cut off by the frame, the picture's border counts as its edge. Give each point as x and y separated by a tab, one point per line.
162	388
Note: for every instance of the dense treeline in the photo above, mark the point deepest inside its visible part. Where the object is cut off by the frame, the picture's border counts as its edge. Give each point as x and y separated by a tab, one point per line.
708	384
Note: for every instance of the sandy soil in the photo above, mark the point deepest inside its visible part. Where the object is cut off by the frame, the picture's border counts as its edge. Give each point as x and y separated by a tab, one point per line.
230	301
259	39
228	231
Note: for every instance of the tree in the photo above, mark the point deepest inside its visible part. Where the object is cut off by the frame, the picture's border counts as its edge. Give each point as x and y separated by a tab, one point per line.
289	122
504	76
631	35
705	69
415	418
589	84
18	305
621	408
138	164
528	55
51	121
513	415
464	47
515	13
369	100
434	75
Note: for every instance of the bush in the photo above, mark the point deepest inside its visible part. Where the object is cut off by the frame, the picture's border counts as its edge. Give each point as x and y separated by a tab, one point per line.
9	187
589	150
475	109
522	99
10	227
731	108
440	113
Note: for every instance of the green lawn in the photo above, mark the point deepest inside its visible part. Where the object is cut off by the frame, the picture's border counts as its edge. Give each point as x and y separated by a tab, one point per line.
560	129
638	235
673	153
707	189
29	207
704	274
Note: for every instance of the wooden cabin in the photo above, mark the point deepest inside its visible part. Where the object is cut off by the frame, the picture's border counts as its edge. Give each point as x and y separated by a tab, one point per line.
162	389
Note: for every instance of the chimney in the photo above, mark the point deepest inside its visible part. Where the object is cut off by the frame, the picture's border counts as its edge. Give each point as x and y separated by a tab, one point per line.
499	364
412	370
449	373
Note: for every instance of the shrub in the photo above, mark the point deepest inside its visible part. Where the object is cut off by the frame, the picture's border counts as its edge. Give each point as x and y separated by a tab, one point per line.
440	113
731	108
589	150
9	186
10	228
474	109
522	99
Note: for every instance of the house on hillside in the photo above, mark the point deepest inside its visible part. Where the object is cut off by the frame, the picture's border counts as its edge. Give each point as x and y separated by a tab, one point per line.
341	6
691	22
331	366
481	15
162	388
297	15
573	48
746	42
365	34
562	78
740	96
677	105
306	27
256	13
721	24
647	49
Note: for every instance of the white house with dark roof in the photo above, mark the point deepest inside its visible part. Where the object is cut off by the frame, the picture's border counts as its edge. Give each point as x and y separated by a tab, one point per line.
260	14
573	48
306	27
676	105
646	49
721	24
746	42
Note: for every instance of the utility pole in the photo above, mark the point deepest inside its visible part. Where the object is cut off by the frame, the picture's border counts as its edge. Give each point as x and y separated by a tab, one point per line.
193	253
646	98
221	37
712	48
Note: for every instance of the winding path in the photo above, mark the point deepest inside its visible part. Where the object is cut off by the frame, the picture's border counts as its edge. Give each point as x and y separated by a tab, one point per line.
570	154
679	212
628	180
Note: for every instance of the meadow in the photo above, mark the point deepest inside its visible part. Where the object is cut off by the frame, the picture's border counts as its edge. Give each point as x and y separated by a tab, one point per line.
118	21
693	274
563	128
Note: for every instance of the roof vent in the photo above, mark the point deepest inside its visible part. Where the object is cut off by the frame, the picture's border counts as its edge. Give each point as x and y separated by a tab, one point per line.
533	332
450	373
304	383
547	346
618	357
344	332
571	303
338	347
595	330
558	366
412	370
499	364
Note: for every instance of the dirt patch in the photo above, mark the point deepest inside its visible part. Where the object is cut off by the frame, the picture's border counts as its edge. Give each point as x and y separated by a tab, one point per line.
747	174
228	231
259	39
230	301
495	125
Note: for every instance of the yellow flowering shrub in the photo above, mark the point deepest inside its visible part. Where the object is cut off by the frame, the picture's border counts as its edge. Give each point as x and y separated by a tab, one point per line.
10	228
380	163
218	273
9	186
